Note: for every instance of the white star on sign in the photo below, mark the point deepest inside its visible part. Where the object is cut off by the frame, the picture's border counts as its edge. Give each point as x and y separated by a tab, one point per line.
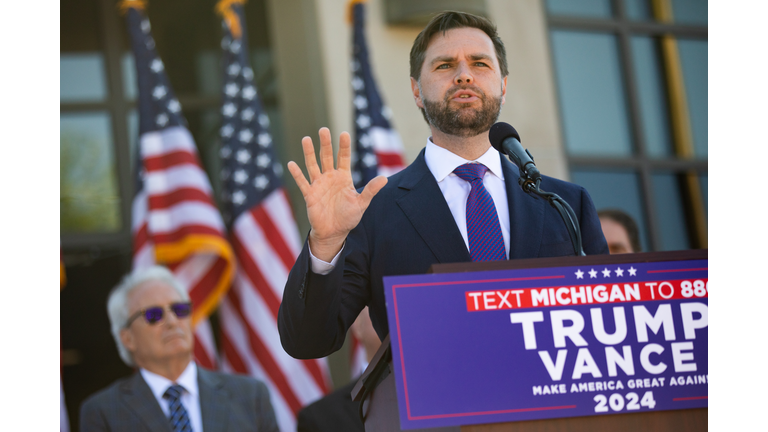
238	197
264	139
249	93
263	160
356	177
245	135
247	114
159	92
263	120
278	169
174	106
357	83
240	176
619	271
145	27
355	65
592	274
233	69
229	109
225	43
606	272
247	73
386	112
363	121
632	271
261	182
156	65
243	156
161	120
579	274
227	130
150	43
360	102
235	46
369	160
231	89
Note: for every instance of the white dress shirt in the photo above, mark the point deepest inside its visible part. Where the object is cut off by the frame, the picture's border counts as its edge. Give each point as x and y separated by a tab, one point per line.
190	397
441	163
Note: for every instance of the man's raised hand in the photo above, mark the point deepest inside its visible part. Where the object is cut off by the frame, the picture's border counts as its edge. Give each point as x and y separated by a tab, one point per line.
334	207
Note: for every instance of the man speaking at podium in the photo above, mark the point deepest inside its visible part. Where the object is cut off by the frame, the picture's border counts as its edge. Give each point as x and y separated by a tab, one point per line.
458	201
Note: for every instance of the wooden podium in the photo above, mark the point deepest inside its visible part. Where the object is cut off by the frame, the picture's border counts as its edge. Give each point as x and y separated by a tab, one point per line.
377	392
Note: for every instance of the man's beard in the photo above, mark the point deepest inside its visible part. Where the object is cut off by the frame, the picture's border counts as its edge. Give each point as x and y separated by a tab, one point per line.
462	122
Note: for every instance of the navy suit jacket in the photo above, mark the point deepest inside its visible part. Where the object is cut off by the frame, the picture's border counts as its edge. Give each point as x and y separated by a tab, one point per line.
227	403
407	228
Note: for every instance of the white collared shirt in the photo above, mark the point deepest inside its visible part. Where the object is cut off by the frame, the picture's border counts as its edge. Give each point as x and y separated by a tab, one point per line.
441	163
190	398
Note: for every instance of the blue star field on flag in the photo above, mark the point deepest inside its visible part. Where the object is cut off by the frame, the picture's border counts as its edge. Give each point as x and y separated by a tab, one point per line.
250	170
370	111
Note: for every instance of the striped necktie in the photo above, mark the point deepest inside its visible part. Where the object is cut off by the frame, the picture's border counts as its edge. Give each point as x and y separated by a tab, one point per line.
483	229
178	415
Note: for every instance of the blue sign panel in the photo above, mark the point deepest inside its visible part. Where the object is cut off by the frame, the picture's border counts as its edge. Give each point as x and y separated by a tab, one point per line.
488	347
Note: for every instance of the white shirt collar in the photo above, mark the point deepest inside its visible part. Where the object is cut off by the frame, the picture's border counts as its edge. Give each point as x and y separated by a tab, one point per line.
159	384
442	162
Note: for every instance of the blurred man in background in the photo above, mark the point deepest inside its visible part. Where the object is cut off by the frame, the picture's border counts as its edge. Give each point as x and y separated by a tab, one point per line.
150	315
620	231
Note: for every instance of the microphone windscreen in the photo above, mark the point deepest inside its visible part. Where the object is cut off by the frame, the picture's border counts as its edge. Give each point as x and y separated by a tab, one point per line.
499	132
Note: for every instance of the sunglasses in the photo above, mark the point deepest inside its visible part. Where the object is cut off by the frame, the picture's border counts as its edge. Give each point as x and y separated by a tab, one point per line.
155	314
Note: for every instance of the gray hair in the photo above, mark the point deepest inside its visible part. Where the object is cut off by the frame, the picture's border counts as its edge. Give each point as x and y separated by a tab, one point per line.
117	307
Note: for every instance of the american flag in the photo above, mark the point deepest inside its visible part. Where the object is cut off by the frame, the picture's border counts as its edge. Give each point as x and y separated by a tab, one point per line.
378	148
175	221
264	235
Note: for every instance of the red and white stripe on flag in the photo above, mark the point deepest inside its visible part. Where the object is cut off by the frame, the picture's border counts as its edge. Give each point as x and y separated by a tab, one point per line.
176	224
266	243
388	148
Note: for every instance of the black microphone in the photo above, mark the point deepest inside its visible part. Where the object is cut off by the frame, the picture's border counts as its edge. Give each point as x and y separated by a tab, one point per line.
506	140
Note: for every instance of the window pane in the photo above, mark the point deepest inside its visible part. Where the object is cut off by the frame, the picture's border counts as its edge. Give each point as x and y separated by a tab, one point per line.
654	111
586	8
591	93
690	11
693	56
128	65
669	212
614	189
82	77
638	10
89	197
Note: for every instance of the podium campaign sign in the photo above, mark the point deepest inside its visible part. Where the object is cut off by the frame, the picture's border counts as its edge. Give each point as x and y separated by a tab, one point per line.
538	343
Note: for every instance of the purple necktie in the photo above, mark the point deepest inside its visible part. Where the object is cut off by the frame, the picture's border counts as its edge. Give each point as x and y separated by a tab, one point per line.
483	229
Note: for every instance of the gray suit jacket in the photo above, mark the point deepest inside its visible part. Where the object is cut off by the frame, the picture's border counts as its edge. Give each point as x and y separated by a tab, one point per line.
227	403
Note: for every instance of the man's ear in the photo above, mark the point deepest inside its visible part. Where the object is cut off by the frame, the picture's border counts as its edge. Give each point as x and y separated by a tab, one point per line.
416	93
126	337
503	90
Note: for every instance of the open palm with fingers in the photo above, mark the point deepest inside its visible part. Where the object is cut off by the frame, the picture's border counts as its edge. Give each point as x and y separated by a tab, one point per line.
334	207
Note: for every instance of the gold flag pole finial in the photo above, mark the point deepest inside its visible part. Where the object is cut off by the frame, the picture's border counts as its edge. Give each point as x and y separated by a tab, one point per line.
351	8
224	8
124	5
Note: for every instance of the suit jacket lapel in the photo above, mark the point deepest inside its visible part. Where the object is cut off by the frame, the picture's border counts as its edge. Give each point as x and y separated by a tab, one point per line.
137	395
214	401
425	207
526	216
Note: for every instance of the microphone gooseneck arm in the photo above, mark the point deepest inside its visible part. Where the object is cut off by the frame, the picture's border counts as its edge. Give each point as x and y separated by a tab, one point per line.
506	140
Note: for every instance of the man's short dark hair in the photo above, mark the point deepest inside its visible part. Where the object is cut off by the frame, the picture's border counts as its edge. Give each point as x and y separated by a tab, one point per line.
629	224
449	20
